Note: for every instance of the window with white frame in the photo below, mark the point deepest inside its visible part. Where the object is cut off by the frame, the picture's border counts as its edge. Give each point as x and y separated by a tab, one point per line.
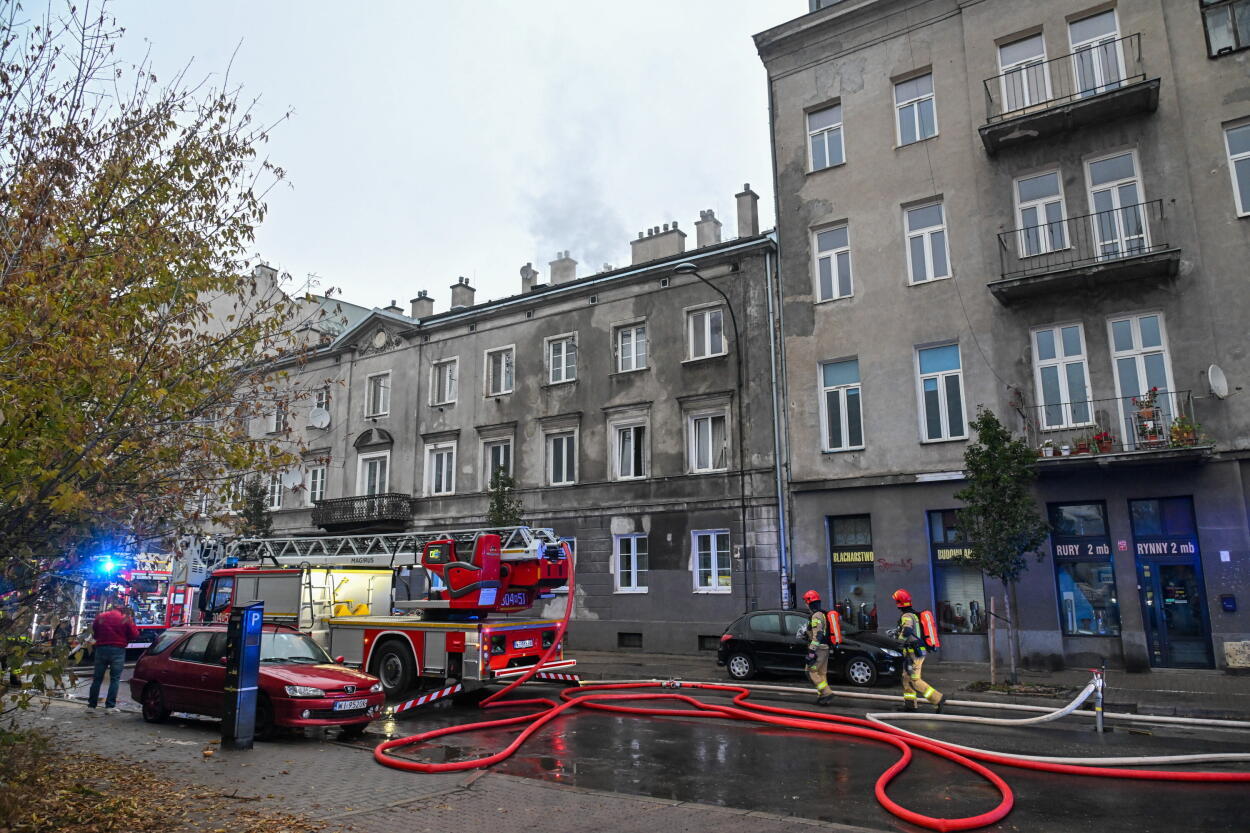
824	137
316	484
562	458
629	450
928	256
321	398
1024	80
841	411
496	456
443	381
709	560
440	469
371	477
631	347
631	563
275	491
499	371
941	393
1097	60
707	442
705	330
1061	374
277	418
1115	197
561	359
1040	214
833	263
1139	354
378	394
917	113
1237	142
1227	24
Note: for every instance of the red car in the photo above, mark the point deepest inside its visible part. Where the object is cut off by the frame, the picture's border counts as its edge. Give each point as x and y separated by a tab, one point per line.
185	671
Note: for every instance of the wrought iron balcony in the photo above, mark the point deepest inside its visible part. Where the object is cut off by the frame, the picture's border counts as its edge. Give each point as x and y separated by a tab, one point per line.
1127	243
390	510
1091	85
1127	429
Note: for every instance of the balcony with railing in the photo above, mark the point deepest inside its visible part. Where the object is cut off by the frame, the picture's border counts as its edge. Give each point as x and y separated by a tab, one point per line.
389	511
1093	84
1124	243
1126	430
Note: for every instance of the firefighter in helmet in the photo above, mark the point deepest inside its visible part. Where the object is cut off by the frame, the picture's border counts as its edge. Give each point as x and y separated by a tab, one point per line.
817	635
910	635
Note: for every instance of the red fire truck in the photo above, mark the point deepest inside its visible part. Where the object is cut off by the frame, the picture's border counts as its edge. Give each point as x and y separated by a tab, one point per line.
463	624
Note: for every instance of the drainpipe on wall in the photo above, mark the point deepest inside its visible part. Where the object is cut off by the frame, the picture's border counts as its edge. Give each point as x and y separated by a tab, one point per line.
783	527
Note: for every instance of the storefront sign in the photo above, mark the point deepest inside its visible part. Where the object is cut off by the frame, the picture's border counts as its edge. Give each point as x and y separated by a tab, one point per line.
951	553
1122	546
1185	546
852	556
1083	550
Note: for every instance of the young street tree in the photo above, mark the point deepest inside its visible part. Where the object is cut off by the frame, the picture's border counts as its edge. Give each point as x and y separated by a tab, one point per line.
134	336
254	519
505	506
1000	521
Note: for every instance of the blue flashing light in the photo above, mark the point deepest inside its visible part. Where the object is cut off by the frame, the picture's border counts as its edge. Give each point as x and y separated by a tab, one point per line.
108	566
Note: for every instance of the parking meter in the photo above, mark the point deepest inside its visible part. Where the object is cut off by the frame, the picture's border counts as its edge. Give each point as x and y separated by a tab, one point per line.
242	671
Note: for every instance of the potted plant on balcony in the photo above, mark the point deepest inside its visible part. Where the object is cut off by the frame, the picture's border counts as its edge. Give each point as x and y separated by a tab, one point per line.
1082	445
1184	431
1047	449
1065	450
1146	404
1104	441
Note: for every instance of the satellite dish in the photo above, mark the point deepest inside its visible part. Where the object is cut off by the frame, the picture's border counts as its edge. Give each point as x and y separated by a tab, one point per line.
292	478
319	418
1217	381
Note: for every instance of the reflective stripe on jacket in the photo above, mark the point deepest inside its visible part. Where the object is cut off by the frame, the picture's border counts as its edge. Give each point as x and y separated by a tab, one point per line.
817	630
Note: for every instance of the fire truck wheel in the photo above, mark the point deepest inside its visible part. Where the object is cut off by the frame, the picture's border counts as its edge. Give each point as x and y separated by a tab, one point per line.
394	667
741	666
154	708
263	728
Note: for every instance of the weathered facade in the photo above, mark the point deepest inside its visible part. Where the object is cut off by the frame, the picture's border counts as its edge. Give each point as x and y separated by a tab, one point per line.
1038	208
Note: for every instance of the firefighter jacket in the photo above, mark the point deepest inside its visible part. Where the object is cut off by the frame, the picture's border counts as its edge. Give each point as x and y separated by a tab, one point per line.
909	632
817	630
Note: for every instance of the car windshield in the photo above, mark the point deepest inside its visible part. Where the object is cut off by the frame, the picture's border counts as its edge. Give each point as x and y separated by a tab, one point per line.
283	646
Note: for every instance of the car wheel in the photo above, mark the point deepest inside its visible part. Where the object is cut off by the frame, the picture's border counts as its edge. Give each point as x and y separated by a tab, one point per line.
860	671
740	666
352	732
263	728
154	708
394	668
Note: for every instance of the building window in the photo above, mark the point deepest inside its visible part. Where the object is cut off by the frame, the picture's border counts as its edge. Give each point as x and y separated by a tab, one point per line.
629	451
275	491
497	456
1228	25
840	405
941	393
1097	60
561	359
562	458
1025	80
833	263
1139	353
321	398
1115	196
443	381
378	396
499	372
708	442
277	418
631	563
928	256
440	469
631	347
316	484
706	332
824	137
1040	214
1237	140
1086	580
1061	375
371	477
959	589
917	114
709	557
854	579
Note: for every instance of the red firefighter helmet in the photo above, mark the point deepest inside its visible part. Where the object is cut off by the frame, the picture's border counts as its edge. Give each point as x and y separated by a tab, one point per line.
901	598
811	596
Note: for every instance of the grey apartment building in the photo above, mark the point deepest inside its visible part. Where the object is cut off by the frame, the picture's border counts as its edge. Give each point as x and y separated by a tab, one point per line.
633	407
1042	209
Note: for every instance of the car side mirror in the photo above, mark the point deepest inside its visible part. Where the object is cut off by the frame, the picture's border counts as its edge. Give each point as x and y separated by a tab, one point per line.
340	659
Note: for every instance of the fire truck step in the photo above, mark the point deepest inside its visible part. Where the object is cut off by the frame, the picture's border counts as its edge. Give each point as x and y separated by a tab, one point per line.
428	698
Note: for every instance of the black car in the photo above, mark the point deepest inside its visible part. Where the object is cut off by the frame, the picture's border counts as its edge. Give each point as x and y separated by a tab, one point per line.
768	640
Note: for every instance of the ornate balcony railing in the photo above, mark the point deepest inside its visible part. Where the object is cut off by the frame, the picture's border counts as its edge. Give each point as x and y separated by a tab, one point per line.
1159	422
362	510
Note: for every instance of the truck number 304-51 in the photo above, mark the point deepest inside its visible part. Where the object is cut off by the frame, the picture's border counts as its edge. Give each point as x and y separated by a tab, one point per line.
515	599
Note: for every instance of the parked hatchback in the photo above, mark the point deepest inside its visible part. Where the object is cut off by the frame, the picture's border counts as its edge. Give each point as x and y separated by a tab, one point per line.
768	640
299	685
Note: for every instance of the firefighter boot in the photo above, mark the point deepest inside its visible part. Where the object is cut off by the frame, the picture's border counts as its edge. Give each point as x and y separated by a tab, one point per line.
909	703
825	699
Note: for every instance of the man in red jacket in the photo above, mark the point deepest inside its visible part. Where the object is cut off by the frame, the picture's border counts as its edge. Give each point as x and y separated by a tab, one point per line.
113	630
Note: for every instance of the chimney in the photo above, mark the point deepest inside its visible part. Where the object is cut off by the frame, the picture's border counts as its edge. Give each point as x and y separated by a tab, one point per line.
528	275
265	272
707	230
657	243
422	305
393	308
461	293
563	268
748	212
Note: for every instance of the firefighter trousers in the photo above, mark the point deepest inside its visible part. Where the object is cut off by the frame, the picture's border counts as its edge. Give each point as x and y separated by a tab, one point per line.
913	685
818	671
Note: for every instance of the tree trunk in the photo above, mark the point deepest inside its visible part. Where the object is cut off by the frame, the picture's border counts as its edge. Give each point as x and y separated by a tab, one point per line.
1016	662
993	624
1013	676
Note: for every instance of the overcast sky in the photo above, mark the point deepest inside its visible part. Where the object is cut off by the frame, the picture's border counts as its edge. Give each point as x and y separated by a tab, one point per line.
437	139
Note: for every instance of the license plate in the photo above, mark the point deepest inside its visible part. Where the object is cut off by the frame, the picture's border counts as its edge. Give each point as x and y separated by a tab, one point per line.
523	643
349	705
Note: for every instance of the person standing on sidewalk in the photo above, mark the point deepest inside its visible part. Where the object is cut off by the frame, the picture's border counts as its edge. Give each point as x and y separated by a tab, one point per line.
817	635
113	631
910	634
